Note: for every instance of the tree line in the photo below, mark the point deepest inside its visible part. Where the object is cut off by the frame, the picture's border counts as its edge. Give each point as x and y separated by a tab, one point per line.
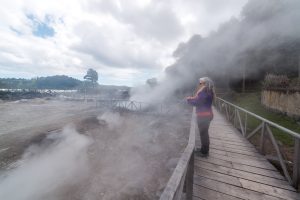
60	82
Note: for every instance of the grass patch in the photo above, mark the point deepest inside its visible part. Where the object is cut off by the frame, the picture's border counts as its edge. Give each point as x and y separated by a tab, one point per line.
251	102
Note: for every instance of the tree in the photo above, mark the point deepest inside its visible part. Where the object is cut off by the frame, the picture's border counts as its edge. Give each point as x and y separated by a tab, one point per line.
92	76
152	82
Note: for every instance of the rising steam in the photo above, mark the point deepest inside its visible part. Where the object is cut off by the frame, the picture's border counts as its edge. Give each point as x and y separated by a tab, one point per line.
115	156
48	167
266	37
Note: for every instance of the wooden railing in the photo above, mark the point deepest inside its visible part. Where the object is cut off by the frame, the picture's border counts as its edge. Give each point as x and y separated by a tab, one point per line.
239	117
119	103
181	180
159	108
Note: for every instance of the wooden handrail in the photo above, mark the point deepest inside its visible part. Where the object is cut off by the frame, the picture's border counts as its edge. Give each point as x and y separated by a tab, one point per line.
264	126
184	171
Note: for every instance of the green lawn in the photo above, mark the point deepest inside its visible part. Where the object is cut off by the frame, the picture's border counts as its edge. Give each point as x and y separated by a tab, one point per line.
251	102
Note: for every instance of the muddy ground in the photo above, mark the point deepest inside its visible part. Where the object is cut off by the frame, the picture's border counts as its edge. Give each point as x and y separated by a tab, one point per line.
23	122
66	150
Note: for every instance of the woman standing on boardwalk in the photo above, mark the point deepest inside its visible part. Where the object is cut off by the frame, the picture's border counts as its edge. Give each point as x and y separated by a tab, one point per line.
203	99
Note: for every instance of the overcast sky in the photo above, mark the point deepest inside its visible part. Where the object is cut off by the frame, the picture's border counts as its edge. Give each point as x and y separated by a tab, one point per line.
125	41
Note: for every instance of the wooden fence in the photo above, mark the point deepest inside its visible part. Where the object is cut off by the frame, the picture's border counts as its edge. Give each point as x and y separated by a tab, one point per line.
159	108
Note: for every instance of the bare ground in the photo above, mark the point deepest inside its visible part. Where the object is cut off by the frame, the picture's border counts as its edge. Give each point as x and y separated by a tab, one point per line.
130	156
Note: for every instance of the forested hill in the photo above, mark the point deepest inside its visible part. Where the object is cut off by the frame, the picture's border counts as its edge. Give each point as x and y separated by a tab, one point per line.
50	82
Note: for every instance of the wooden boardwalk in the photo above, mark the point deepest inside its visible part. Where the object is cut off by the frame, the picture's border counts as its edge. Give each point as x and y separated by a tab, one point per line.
235	170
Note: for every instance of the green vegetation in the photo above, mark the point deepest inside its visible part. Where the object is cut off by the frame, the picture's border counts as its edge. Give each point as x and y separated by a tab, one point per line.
251	102
50	82
92	76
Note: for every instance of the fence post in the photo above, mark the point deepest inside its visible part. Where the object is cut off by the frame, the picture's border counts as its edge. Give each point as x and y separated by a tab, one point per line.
246	118
296	165
235	118
227	114
262	139
189	179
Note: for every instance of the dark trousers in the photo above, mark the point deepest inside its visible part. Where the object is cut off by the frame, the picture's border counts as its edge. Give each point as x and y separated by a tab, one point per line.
203	125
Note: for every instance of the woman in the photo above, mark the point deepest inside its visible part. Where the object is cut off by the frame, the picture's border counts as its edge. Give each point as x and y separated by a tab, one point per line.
203	99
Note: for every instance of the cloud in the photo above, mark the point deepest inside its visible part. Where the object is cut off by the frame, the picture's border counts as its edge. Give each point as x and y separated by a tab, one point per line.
153	20
40	38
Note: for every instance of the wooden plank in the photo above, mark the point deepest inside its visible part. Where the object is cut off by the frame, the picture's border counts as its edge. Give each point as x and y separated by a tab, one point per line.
216	151
195	198
232	136
223	136
239	148
236	155
215	161
208	194
259	164
229	139
233	147
237	145
235	150
277	192
223	151
228	135
270	173
226	139
217	176
245	175
221	130
226	131
217	124
238	151
231	189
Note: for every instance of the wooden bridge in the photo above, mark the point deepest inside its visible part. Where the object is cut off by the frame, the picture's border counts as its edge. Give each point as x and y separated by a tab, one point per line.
235	169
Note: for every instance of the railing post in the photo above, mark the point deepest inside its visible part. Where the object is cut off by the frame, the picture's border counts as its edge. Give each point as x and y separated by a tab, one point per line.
279	154
240	122
262	139
246	118
235	118
226	110
189	179
296	165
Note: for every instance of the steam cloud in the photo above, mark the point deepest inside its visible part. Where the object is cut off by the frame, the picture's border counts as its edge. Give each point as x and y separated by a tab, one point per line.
265	38
113	157
45	170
